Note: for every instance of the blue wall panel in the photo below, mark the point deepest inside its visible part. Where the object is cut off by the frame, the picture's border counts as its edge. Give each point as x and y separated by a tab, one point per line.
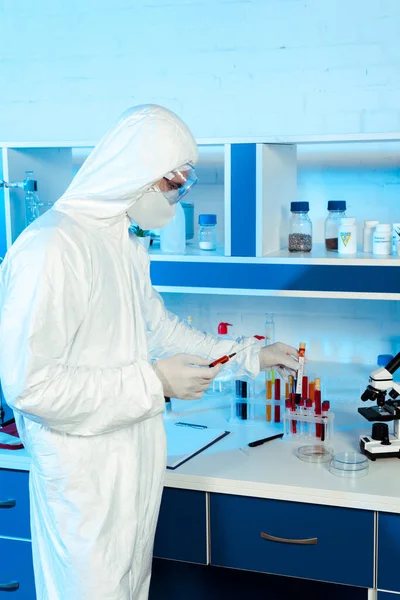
243	200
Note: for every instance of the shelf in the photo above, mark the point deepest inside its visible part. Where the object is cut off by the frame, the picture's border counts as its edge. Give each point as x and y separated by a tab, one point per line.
192	252
265	139
320	256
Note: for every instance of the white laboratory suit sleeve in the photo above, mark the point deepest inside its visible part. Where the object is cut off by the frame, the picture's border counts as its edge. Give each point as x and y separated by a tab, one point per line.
45	300
168	335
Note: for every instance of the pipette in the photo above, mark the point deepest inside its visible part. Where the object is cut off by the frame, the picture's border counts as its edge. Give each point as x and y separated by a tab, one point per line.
227	357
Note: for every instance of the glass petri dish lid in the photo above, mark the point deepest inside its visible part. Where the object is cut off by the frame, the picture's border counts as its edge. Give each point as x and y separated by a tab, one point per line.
349	464
315	453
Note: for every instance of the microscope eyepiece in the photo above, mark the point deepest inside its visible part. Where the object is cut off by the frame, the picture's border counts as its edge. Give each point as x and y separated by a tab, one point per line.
373	395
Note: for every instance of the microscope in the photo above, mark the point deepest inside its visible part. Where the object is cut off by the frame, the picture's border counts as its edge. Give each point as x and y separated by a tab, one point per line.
381	443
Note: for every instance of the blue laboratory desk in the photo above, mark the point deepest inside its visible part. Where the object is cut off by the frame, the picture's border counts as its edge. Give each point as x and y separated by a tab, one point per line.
234	518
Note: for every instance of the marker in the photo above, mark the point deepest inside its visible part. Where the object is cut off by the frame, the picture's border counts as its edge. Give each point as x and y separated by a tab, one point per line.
264	440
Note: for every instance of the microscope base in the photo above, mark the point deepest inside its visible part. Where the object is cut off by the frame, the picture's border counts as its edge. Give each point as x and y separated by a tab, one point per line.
374	449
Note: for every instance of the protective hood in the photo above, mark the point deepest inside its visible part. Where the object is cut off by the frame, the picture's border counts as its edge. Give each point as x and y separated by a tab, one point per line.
146	143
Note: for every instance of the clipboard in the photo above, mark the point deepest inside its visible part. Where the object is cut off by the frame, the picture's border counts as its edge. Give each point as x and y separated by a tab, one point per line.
187	440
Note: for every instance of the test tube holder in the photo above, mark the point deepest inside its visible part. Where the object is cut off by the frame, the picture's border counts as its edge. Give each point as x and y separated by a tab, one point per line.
302	426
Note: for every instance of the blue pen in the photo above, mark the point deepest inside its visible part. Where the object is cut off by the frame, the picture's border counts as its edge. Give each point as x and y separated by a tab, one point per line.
191	425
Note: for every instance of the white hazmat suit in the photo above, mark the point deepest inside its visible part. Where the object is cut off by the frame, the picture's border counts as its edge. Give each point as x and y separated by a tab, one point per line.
80	323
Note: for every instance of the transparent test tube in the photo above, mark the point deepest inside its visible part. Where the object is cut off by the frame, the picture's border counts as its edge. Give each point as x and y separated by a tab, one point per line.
270	339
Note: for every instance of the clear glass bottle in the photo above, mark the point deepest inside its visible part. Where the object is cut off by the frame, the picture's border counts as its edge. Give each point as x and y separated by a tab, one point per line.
208	232
188	209
32	205
337	210
300	228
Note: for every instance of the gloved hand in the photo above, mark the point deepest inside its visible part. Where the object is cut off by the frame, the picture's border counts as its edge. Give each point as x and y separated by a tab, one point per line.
279	357
183	381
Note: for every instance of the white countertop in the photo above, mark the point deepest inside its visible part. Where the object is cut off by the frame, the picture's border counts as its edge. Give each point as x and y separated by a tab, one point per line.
273	470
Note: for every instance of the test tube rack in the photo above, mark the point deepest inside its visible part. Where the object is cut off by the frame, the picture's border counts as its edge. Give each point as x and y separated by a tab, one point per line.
274	411
317	427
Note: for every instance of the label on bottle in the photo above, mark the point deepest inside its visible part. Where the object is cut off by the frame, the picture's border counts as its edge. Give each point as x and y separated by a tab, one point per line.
347	240
382	243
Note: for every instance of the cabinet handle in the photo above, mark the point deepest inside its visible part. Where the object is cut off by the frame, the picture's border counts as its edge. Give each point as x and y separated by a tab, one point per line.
7	503
9	587
273	538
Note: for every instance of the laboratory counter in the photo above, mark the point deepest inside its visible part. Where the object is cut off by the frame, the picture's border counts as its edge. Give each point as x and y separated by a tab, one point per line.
273	469
259	510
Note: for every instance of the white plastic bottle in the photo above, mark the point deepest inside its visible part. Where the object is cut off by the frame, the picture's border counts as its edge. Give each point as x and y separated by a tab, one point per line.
347	236
382	240
173	235
395	237
368	233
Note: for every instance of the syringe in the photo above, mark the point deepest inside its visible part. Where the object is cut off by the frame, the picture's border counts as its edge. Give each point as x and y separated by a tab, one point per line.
227	357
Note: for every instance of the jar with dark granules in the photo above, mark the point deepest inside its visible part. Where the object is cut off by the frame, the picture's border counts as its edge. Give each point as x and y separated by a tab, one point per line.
300	228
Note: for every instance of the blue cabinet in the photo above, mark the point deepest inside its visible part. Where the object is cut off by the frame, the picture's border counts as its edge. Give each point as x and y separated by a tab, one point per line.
14	504
16	570
182	526
298	540
387	596
388	551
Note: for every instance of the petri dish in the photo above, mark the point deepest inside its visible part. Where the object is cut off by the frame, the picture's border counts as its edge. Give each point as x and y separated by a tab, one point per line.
349	464
315	453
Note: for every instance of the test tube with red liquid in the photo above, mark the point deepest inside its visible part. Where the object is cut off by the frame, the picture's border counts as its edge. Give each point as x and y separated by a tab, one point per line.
318	407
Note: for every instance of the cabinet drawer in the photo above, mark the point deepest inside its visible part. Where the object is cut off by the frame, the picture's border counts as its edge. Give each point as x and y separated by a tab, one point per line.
388	551
14	504
182	526
16	570
289	538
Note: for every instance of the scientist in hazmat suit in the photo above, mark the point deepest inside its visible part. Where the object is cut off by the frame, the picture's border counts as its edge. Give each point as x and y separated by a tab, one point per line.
80	324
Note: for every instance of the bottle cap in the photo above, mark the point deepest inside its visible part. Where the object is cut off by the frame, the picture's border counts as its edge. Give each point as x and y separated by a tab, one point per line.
337	205
384	359
371	223
326	405
302	345
207	219
30	185
384	227
299	206
223	328
347	220
308	403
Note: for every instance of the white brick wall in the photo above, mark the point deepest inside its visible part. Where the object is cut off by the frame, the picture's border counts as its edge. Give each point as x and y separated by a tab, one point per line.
229	67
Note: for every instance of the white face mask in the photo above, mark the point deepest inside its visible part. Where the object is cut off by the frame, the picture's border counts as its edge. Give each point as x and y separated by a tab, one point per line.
152	211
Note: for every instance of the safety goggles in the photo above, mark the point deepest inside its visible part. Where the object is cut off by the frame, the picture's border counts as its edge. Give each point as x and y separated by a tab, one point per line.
176	184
